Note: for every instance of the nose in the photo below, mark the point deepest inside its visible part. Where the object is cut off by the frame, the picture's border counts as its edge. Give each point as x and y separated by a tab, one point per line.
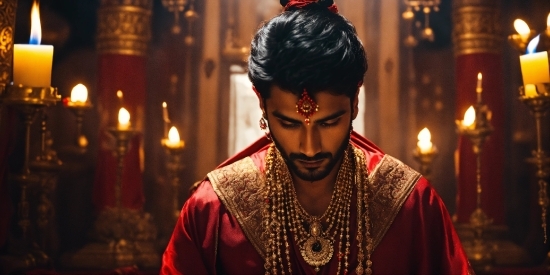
310	141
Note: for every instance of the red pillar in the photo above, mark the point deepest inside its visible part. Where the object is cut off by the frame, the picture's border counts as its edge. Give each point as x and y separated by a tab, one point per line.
478	49
123	32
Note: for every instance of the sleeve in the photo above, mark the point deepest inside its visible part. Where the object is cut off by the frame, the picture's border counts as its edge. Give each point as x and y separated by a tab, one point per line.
192	247
439	248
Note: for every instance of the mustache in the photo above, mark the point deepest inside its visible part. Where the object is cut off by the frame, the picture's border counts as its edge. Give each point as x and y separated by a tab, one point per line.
317	157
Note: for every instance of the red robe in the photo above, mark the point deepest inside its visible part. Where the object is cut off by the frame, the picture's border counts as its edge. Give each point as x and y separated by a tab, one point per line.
209	239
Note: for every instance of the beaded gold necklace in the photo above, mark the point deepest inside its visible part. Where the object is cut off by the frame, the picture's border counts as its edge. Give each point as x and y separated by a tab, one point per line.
282	213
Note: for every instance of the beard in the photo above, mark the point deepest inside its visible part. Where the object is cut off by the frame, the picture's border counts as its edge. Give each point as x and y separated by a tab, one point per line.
315	174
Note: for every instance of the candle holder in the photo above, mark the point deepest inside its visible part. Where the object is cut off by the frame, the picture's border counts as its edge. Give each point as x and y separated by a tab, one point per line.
125	236
122	137
539	104
479	252
425	158
520	43
78	109
29	101
174	167
46	166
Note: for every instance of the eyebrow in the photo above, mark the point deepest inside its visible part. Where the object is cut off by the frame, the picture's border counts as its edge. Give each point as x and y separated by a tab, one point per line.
278	115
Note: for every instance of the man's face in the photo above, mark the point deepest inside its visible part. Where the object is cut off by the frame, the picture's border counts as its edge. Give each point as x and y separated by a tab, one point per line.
311	151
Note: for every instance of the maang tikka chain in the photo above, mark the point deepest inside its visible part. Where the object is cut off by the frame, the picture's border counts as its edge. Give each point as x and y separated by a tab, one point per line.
306	106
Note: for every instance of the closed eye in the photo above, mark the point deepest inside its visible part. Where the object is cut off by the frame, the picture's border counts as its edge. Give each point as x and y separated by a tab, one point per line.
330	123
289	124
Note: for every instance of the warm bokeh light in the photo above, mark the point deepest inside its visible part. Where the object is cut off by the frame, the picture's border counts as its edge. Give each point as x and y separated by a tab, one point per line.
548	22
119	94
79	93
123	119
36	28
469	117
424	141
173	135
522	28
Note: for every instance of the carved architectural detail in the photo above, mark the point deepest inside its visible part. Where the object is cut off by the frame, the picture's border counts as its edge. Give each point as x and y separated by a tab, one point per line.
124	26
7	25
476	27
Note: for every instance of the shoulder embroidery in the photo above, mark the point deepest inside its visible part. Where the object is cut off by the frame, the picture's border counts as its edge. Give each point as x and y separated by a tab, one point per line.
391	183
240	187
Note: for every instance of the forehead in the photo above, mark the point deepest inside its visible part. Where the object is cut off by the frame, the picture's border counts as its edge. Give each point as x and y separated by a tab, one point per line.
285	102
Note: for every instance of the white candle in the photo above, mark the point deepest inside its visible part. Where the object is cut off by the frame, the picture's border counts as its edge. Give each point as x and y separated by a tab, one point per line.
79	94
32	63
534	66
165	117
123	119
479	88
424	141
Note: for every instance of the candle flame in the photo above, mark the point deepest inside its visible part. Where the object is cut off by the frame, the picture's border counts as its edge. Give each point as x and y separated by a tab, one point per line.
548	22
469	117
424	135
79	93
36	28
173	135
522	28
532	46
123	117
479	76
164	104
119	94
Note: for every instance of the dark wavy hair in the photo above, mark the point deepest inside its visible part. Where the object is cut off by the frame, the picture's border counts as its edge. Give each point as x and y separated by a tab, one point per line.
309	48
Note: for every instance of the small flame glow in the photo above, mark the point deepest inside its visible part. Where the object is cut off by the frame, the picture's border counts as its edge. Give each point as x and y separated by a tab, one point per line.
173	135
469	117
36	28
425	135
522	28
79	93
548	22
123	117
532	47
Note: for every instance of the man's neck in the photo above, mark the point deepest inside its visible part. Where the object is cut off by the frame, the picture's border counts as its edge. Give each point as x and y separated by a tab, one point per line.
315	196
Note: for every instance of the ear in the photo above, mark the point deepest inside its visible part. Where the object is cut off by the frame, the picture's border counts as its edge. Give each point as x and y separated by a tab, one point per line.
355	104
260	99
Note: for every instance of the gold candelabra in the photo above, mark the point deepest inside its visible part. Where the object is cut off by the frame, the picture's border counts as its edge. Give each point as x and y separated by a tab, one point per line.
424	153
122	136
539	104
78	108
426	7
480	253
536	95
174	167
30	101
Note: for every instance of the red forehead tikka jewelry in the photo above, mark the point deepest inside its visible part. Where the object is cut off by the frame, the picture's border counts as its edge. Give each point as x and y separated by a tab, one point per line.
306	106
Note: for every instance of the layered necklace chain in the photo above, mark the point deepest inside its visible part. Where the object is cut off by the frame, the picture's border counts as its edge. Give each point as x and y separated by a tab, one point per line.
283	213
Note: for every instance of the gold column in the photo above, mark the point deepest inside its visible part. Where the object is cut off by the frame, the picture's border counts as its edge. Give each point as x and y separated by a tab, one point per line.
478	41
123	235
7	26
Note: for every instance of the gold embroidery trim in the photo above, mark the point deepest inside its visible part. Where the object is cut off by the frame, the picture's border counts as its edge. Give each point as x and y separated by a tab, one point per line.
391	183
240	187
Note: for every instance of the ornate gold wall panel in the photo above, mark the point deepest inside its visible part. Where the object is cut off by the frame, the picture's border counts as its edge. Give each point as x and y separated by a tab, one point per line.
476	27
124	26
7	25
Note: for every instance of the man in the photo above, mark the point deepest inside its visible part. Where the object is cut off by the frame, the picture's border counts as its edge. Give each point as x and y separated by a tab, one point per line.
313	197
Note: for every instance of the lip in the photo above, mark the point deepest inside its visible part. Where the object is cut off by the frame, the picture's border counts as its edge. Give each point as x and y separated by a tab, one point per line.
311	164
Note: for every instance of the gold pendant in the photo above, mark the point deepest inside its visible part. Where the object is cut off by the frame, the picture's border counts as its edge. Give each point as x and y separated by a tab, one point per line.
317	251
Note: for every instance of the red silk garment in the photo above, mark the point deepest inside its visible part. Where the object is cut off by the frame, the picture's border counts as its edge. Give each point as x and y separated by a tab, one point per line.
208	239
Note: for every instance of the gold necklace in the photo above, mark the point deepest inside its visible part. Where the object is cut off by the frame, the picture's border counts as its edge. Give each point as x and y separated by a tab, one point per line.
282	213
